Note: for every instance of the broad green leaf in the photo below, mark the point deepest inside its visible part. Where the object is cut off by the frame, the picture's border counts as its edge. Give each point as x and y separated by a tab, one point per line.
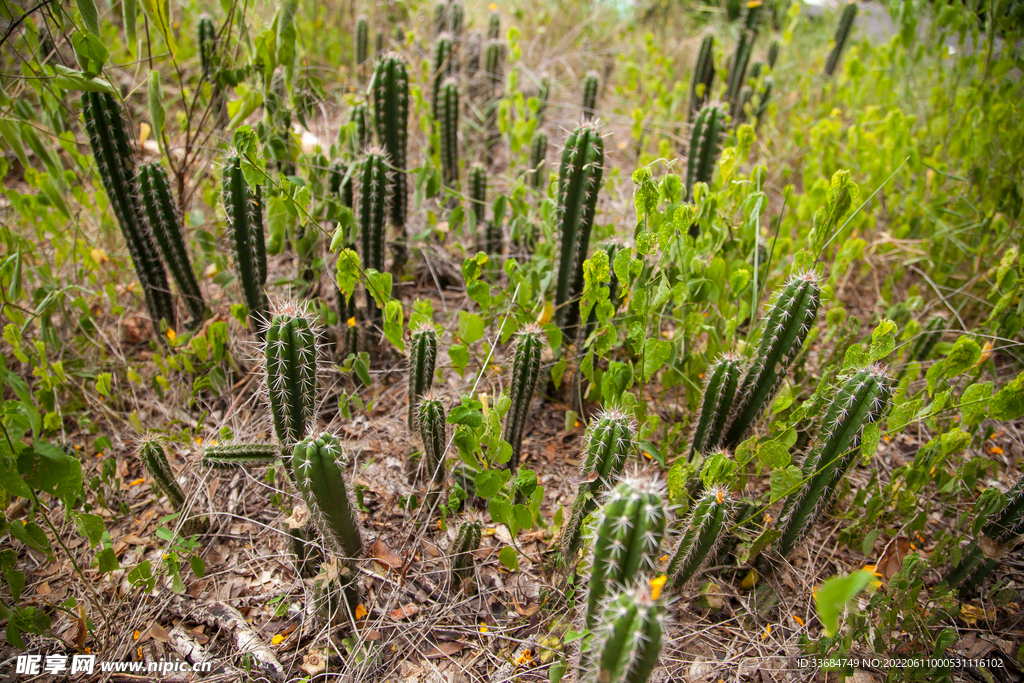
90	17
471	327
656	352
379	286
393	324
69	79
773	454
1008	403
90	526
964	354
129	14
488	483
51	470
509	558
836	593
784	481
156	106
159	14
347	273
974	403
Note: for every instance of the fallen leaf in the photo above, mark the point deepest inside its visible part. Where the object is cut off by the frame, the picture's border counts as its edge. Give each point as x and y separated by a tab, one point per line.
383	554
43	589
373	635
158	633
892	559
970	614
406	611
443	650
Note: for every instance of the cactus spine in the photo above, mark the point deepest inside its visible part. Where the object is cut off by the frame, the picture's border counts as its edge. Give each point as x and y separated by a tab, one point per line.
703	76
422	354
626	541
738	71
431	419
230	455
494	26
789	320
842	34
579	182
374	184
609	441
154	461
113	156
590	87
442	69
163	222
243	207
362	40
448	118
466	543
704	141
719	393
390	88
292	355
525	374
863	398
628	641
704	531
538	152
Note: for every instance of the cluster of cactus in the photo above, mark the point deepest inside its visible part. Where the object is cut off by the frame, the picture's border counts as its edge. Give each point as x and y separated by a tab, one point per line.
591	85
705	529
704	142
538	152
627	643
525	374
243	206
448	120
579	182
443	63
789	319
610	440
738	71
422	355
489	240
113	154
431	420
154	460
703	76
842	35
719	394
864	398
361	41
390	88
462	552
374	194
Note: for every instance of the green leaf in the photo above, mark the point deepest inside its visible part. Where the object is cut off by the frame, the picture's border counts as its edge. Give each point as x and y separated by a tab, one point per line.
784	481
509	558
1008	403
347	273
129	13
621	266
656	352
394	317
90	526
974	403
471	327
90	17
51	470
903	414
198	566
473	267
522	516
156	106
855	357
459	356
869	441
90	52
106	561
964	354
31	534
480	292
835	594
70	79
773	454
142	575
501	513
883	340
379	286
718	470
103	382
488	483
159	14
954	441
16	582
465	415
645	197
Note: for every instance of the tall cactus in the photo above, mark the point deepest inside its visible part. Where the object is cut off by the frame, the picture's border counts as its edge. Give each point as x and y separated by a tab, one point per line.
609	441
448	118
705	529
703	76
864	398
113	154
704	143
231	455
842	34
162	218
628	641
374	195
422	354
463	550
154	460
488	234
753	17
390	87
538	152
590	87
456	17
738	71
789	320
494	26
361	41
719	394
442	69
358	116
525	374
626	540
543	93
378	44
243	207
1003	527
493	64
579	182
292	355
431	420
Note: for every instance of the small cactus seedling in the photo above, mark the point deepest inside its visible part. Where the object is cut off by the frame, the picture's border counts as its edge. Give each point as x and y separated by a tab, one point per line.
789	320
162	218
590	88
609	441
361	41
738	71
243	206
494	26
704	141
864	398
625	542
422	354
154	460
842	35
628	639
448	120
114	159
462	552
704	531
579	182
525	374
443	60
319	466
231	455
703	76
719	393
374	183
292	356
538	152
431	419
390	88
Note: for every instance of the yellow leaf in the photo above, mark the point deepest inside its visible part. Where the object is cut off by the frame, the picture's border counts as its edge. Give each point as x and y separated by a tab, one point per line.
545	315
750	580
144	130
360	611
99	256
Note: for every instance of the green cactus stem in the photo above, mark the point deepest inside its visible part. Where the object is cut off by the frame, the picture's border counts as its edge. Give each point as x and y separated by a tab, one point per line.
374	195
719	394
361	41
789	320
431	418
704	146
231	455
842	35
442	69
742	518
358	116
773	54
422	354
319	466
525	374
448	119
378	44
628	639
494	26
440	18
488	233
292	357
243	206
591	85
207	39
1008	524
738	71
753	17
162	218
456	17
703	76
538	152
114	159
543	93
308	557
462	552
390	87
705	529
625	541
1003	527
609	441
154	461
864	398
494	54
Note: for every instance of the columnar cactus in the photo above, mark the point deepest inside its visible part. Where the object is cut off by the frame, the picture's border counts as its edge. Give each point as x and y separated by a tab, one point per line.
442	69
361	41
789	320
292	355
319	467
207	45
231	455
493	63
1002	528
1008	524
154	461
488	234
538	152
579	182
358	116
494	26
431	420
719	394
456	15
773	53
628	640
738	71
705	529
162	218
378	44
609	441
753	17
704	141
864	398
440	18
243	206
703	76
525	374
543	93
374	195
448	118
842	34
463	550
625	542
390	88
113	155
422	354
590	87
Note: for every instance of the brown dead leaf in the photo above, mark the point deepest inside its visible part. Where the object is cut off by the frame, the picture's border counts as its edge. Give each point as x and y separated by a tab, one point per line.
431	549
892	559
528	611
443	650
81	630
405	612
158	633
43	589
385	555
373	635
